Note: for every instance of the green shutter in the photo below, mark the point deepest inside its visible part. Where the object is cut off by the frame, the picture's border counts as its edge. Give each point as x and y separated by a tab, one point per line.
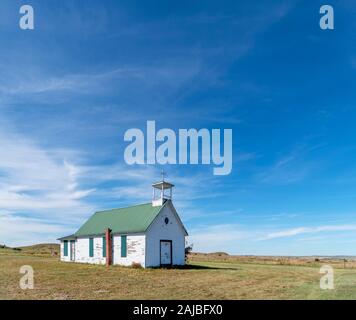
65	253
104	247
123	246
91	247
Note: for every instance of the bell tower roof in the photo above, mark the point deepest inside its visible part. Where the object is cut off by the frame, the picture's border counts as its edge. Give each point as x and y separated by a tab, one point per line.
162	185
162	191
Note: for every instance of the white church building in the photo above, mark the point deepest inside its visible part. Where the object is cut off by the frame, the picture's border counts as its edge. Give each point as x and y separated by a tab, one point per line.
150	234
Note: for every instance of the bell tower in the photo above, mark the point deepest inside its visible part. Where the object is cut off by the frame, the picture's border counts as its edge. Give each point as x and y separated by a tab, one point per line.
162	191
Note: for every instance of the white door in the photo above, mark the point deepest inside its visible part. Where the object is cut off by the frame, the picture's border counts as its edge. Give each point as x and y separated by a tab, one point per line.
166	252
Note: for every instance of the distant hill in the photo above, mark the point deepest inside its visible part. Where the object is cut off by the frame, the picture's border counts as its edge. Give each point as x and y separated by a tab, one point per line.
5	250
43	249
281	260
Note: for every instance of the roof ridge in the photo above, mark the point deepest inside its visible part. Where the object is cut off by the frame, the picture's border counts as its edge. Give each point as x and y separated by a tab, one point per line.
136	205
131	219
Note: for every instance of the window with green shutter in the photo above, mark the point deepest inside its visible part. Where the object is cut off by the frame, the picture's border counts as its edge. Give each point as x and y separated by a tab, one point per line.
104	247
65	248
91	247
123	246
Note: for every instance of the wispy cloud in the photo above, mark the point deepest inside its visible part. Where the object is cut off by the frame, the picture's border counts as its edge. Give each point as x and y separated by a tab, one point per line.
33	178
119	78
290	168
48	187
235	238
19	231
307	230
221	237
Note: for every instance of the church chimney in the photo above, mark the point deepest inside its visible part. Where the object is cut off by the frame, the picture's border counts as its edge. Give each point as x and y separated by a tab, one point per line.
108	247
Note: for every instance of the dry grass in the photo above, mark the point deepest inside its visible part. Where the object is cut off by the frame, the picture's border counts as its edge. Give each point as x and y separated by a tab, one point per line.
349	263
206	277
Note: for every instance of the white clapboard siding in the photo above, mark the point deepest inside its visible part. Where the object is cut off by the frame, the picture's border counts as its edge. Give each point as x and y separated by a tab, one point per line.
63	257
159	230
135	252
82	251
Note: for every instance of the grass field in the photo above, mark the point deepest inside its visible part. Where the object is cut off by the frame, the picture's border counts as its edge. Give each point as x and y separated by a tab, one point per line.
209	276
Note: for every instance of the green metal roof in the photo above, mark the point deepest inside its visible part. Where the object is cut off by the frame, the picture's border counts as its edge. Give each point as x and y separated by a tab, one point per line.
125	220
71	237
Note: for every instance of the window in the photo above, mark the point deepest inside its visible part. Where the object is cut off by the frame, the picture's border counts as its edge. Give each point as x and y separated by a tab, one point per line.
104	247
91	247
123	246
65	248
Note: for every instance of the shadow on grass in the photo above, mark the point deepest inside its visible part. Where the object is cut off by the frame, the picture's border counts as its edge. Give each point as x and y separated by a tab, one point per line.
198	267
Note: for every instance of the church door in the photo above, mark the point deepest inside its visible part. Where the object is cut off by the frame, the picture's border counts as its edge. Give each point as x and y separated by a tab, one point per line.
166	252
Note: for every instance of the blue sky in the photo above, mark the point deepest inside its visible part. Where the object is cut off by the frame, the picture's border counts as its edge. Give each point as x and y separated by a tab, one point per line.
93	69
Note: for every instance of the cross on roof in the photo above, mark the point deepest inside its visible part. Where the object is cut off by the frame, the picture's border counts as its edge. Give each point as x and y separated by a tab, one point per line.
163	174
